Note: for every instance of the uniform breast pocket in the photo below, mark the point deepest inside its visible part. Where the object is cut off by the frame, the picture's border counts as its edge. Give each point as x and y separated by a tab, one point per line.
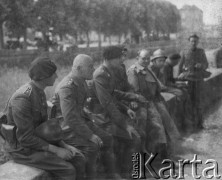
37	116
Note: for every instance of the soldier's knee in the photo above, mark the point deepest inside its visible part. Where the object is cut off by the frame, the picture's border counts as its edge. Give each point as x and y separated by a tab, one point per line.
69	172
108	141
93	148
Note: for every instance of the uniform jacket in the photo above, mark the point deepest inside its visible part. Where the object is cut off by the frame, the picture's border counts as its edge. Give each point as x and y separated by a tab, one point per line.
189	58
217	58
109	94
70	96
26	110
144	82
168	79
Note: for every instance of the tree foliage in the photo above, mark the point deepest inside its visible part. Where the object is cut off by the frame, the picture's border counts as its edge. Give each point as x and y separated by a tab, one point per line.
81	17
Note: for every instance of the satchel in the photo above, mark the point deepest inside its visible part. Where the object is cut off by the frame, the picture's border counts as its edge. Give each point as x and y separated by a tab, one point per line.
50	131
9	134
196	74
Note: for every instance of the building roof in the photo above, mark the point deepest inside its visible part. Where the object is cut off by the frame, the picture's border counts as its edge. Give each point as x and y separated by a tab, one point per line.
190	8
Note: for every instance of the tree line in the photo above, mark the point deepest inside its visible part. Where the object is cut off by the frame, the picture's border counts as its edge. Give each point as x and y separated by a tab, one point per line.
81	17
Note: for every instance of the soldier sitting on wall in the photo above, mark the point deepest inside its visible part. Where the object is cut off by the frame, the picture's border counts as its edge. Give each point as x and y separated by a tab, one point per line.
79	129
144	82
163	69
119	123
29	133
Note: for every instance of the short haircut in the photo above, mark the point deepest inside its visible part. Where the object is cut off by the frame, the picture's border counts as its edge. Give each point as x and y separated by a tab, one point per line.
113	52
193	36
174	56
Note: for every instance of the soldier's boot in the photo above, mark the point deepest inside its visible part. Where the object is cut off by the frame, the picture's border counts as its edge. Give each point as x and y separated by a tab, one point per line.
199	119
132	146
109	165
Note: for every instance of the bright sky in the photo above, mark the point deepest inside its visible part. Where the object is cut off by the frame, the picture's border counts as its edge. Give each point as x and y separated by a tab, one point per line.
212	9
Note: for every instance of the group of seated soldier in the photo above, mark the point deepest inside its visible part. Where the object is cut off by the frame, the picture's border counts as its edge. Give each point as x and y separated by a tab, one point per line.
103	115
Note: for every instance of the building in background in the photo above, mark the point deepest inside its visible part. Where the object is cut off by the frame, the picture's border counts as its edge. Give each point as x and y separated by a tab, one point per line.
191	20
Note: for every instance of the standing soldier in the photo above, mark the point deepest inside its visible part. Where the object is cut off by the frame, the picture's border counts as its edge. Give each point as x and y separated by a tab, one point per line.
144	82
110	98
80	131
26	111
192	68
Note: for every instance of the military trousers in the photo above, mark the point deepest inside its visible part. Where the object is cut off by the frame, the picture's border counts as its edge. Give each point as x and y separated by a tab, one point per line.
92	151
182	110
160	125
57	167
195	89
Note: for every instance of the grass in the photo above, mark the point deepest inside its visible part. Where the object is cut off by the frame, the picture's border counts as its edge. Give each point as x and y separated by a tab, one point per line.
12	78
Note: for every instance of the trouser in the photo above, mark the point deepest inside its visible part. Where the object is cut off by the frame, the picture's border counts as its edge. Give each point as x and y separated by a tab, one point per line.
92	150
160	126
195	89
182	111
124	149
59	168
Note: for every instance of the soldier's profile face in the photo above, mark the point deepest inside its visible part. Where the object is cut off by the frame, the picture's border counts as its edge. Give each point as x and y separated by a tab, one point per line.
193	42
87	70
51	80
117	62
159	62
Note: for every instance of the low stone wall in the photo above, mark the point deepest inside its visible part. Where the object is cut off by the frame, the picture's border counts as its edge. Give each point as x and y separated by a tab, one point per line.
13	171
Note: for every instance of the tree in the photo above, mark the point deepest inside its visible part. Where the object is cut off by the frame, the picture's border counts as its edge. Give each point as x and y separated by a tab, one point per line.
19	18
4	11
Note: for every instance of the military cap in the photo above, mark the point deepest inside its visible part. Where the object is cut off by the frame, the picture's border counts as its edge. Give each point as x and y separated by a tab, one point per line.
113	52
159	53
193	36
174	56
50	131
41	68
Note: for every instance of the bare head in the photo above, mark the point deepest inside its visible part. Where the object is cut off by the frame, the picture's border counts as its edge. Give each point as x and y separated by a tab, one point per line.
143	57
193	40
83	66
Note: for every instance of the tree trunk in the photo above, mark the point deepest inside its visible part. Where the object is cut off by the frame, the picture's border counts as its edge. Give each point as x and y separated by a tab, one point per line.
25	39
1	36
119	39
99	39
110	40
88	39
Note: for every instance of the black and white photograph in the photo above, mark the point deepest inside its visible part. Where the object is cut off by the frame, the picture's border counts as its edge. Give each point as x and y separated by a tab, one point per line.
110	89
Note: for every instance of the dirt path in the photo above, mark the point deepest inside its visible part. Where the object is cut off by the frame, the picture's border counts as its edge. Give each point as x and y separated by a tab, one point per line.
206	144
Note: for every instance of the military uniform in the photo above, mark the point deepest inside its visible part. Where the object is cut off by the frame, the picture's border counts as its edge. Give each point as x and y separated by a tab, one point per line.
70	97
182	110
121	83
217	58
110	98
26	110
189	58
144	82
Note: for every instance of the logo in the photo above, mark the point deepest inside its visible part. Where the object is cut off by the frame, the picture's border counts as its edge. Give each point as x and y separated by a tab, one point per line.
144	163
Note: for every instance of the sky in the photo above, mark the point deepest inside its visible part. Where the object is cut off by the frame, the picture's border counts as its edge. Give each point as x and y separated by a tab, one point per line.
212	9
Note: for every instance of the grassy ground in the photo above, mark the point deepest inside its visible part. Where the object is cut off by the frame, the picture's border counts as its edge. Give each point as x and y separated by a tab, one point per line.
12	78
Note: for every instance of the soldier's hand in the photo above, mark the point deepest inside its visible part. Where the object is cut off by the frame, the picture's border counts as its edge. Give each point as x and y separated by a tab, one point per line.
61	152
134	105
181	76
97	140
141	98
198	65
130	129
131	114
74	151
